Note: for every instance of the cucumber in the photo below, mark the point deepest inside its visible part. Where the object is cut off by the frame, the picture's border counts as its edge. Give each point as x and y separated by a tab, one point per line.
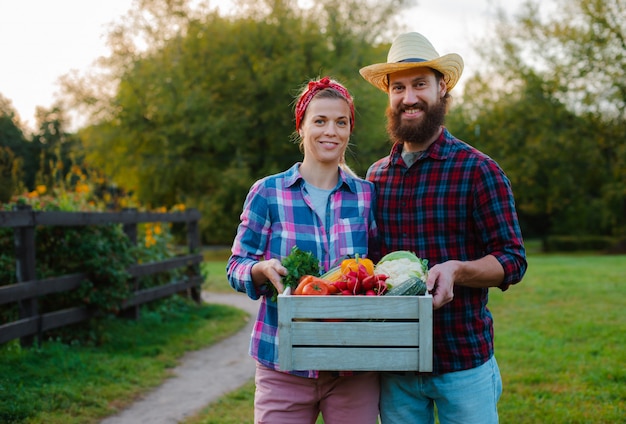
414	286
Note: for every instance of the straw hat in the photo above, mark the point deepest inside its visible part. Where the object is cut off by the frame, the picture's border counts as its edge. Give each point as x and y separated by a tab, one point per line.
413	50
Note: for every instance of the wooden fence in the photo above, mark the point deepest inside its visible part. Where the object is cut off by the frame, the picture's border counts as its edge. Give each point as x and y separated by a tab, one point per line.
32	324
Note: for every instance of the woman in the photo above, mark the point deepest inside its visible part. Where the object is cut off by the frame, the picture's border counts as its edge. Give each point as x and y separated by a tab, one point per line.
321	207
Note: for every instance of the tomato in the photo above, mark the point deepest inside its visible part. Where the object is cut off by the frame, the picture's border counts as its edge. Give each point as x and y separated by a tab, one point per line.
303	282
317	288
332	288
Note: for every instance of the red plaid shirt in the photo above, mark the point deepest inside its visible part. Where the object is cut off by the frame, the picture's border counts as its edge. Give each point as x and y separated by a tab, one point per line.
453	203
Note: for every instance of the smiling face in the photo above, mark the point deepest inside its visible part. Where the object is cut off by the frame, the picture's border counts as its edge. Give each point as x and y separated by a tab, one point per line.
417	106
325	130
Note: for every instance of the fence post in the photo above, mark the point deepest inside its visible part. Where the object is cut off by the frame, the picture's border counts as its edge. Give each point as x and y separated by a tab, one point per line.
193	243
130	229
24	242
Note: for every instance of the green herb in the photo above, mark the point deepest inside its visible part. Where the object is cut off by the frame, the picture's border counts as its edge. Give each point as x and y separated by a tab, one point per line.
298	263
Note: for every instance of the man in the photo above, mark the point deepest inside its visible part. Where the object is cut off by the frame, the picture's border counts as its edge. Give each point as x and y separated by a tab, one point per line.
453	205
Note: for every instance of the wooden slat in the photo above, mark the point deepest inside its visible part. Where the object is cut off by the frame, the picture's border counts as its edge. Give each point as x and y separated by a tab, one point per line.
33	218
426	333
154	293
64	317
367	307
355	359
13	219
36	288
17	329
354	333
150	268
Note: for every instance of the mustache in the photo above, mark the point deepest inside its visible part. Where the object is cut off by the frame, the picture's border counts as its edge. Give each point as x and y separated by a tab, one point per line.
418	105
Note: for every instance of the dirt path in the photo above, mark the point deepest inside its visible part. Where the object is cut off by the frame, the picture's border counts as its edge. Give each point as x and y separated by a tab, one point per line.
201	378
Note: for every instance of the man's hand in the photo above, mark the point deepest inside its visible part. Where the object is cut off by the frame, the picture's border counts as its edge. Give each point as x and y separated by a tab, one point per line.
482	273
440	282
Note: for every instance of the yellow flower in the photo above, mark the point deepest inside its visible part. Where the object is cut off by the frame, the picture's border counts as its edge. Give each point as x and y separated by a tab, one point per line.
41	189
150	241
82	188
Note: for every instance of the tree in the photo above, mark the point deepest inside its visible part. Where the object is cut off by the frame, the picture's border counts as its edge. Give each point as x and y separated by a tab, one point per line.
13	150
550	108
206	107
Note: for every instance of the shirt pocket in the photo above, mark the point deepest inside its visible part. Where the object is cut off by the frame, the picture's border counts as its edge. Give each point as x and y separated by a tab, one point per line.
351	236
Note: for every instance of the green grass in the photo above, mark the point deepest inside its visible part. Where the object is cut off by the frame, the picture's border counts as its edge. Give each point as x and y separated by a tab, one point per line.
560	344
214	270
63	384
560	341
214	273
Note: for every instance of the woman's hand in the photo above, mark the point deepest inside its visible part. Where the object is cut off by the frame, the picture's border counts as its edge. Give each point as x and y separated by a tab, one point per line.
270	270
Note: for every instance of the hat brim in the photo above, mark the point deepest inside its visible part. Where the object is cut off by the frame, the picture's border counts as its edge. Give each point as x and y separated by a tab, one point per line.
450	66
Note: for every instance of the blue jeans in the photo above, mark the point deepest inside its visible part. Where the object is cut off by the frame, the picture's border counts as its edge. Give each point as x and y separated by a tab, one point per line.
463	397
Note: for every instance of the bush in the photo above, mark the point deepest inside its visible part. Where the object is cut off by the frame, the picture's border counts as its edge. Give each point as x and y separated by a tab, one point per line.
102	252
578	243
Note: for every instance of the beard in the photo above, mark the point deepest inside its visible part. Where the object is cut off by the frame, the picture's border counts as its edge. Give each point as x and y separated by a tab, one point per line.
416	131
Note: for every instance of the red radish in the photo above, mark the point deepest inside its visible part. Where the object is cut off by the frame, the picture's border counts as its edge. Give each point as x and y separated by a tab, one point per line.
369	282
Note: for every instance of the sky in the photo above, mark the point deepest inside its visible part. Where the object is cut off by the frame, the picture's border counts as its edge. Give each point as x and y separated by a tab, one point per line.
41	40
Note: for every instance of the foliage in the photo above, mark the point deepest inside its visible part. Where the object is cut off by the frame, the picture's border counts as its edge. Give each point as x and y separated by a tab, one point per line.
42	158
158	244
588	243
209	99
60	384
12	140
550	108
103	252
298	264
9	167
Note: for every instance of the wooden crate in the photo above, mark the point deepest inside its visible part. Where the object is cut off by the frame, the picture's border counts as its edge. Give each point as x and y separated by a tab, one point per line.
357	333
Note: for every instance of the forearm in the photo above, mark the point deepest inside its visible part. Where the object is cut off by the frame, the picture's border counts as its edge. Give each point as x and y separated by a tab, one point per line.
481	273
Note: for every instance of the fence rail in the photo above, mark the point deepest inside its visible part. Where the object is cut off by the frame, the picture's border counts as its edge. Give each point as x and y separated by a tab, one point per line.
32	324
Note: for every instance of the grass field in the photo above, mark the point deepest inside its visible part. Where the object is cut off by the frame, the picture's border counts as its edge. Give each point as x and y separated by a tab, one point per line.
559	343
78	384
560	340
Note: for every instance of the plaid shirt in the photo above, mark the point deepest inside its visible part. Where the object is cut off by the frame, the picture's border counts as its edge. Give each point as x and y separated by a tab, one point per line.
277	215
453	203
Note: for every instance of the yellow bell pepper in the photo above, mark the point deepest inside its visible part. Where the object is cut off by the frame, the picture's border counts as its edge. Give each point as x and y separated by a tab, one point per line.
353	265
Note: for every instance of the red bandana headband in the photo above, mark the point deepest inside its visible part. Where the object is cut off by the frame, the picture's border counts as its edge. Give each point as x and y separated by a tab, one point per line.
314	88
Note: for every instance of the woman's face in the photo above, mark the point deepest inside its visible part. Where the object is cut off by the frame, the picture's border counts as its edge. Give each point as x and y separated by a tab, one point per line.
325	130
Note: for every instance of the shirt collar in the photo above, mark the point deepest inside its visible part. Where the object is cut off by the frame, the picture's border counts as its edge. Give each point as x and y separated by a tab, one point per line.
438	150
293	177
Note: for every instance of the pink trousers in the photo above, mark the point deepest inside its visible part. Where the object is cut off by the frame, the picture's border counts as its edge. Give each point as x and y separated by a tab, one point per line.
288	399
